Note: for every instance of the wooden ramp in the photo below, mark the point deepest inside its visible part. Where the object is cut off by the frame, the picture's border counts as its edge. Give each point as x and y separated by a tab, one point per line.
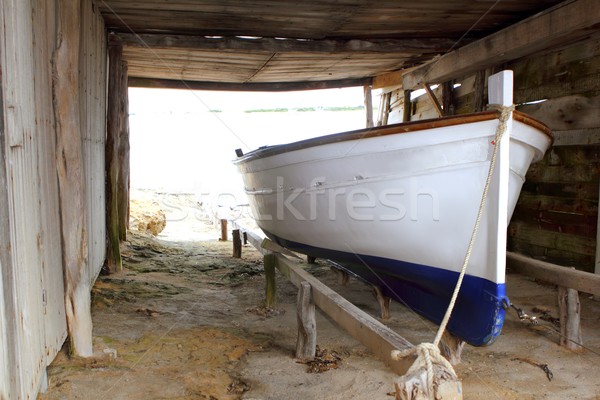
377	337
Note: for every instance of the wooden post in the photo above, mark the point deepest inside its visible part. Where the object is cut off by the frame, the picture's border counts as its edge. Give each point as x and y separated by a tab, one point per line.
368	105
237	243
123	156
224	230
384	302
451	347
448	98
71	178
113	130
569	311
306	345
479	91
245	238
270	260
407	112
311	259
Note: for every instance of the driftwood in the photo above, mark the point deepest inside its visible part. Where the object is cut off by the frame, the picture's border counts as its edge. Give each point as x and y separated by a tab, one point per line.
70	171
306	345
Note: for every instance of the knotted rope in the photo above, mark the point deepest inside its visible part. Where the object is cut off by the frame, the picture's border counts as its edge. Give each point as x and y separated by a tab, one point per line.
428	353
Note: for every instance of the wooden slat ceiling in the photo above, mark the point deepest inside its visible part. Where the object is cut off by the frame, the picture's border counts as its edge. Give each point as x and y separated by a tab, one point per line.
267	41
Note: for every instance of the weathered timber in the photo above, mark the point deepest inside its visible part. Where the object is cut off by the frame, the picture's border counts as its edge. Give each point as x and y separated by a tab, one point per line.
113	130
377	337
123	156
250	86
390	81
383	301
552	239
311	259
223	224
434	100
562	276
451	347
270	262
566	22
306	344
245	235
448	98
70	179
237	243
368	106
570	318
479	91
265	44
407	112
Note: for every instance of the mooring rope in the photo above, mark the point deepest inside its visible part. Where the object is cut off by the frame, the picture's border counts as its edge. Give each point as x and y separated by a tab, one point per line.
427	353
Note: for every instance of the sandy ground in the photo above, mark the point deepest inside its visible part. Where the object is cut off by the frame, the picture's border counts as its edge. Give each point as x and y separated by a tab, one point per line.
185	320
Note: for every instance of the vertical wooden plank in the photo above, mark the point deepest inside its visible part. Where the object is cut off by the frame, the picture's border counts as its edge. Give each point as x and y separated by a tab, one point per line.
224	230
21	253
407	112
123	179
71	177
113	129
479	91
368	106
448	97
44	34
306	344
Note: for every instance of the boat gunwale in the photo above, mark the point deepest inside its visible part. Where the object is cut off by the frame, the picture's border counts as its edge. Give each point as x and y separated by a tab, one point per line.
405	127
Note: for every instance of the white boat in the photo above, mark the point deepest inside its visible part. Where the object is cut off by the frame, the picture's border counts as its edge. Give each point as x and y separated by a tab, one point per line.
396	206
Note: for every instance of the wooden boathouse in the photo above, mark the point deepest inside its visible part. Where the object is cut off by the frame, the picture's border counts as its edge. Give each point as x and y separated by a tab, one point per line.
65	67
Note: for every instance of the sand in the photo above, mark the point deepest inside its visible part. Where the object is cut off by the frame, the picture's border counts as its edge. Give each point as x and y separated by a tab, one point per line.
185	320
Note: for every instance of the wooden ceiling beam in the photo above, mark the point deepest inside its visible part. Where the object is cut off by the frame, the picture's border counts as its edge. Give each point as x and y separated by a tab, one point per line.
568	21
245	87
273	45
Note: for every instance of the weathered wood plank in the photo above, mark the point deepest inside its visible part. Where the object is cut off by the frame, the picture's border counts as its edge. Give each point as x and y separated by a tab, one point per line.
567	112
368	106
555	274
71	179
266	44
237	243
370	332
553	240
570	20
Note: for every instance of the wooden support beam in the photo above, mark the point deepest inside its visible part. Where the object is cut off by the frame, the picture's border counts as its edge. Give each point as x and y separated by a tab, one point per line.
568	21
368	106
270	262
248	87
380	339
384	302
434	100
390	80
272	45
245	235
237	243
224	237
570	318
311	259
111	158
479	91
306	345
71	183
555	274
407	112
123	156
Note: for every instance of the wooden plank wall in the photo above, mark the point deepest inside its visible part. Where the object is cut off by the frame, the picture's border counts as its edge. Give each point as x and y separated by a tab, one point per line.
556	216
93	81
32	310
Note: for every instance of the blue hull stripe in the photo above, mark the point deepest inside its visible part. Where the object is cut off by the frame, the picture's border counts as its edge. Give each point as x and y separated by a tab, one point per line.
477	317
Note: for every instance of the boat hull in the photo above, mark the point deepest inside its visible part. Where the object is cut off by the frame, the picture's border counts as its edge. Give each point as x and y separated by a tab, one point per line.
397	210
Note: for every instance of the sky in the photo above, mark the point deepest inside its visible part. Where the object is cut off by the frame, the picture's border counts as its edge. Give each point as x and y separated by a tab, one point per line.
178	145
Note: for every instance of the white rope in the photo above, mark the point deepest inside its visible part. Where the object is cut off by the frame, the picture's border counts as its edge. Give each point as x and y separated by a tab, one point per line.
427	353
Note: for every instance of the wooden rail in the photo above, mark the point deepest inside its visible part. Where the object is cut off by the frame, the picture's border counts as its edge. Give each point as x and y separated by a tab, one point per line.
380	339
570	282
